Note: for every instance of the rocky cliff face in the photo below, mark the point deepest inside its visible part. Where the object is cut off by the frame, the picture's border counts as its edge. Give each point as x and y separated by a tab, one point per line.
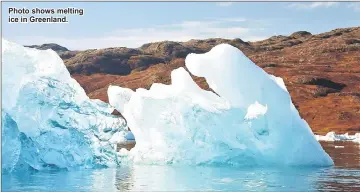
322	72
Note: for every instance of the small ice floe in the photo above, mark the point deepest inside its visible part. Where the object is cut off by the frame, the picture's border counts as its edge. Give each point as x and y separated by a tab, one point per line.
339	146
332	136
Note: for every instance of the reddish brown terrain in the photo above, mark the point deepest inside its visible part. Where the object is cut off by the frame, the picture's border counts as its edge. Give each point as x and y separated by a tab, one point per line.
322	72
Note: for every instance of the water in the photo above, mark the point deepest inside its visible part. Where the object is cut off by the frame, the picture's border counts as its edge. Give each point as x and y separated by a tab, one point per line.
344	176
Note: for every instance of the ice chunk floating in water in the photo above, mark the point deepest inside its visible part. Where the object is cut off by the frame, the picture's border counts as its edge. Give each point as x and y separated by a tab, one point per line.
332	136
48	120
250	121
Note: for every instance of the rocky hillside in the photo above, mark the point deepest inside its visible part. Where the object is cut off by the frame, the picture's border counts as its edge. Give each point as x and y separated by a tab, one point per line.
322	71
57	48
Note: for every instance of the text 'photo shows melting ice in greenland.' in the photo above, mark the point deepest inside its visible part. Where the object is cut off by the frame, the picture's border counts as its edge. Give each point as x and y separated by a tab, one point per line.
48	122
250	121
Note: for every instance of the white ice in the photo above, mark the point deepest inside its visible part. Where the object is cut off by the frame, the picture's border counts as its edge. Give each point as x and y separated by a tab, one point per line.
49	122
250	121
332	136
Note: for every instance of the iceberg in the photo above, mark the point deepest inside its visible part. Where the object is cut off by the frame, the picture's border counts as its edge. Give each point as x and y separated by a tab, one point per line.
48	120
249	119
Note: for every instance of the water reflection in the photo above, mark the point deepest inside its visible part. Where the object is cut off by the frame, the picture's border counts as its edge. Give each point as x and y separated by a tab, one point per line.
344	176
344	153
170	178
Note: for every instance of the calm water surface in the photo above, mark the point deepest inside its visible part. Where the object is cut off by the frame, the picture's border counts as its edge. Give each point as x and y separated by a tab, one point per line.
344	176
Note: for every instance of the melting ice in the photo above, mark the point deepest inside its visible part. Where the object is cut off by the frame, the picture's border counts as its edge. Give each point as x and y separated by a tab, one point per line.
249	121
332	136
48	120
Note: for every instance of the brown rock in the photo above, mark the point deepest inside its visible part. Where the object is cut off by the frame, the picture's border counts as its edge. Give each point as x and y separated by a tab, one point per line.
321	72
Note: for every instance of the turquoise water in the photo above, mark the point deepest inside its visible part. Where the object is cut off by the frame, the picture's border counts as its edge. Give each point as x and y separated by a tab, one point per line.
344	176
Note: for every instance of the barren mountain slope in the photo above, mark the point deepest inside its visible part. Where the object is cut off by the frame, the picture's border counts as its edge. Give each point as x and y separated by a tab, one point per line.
322	72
